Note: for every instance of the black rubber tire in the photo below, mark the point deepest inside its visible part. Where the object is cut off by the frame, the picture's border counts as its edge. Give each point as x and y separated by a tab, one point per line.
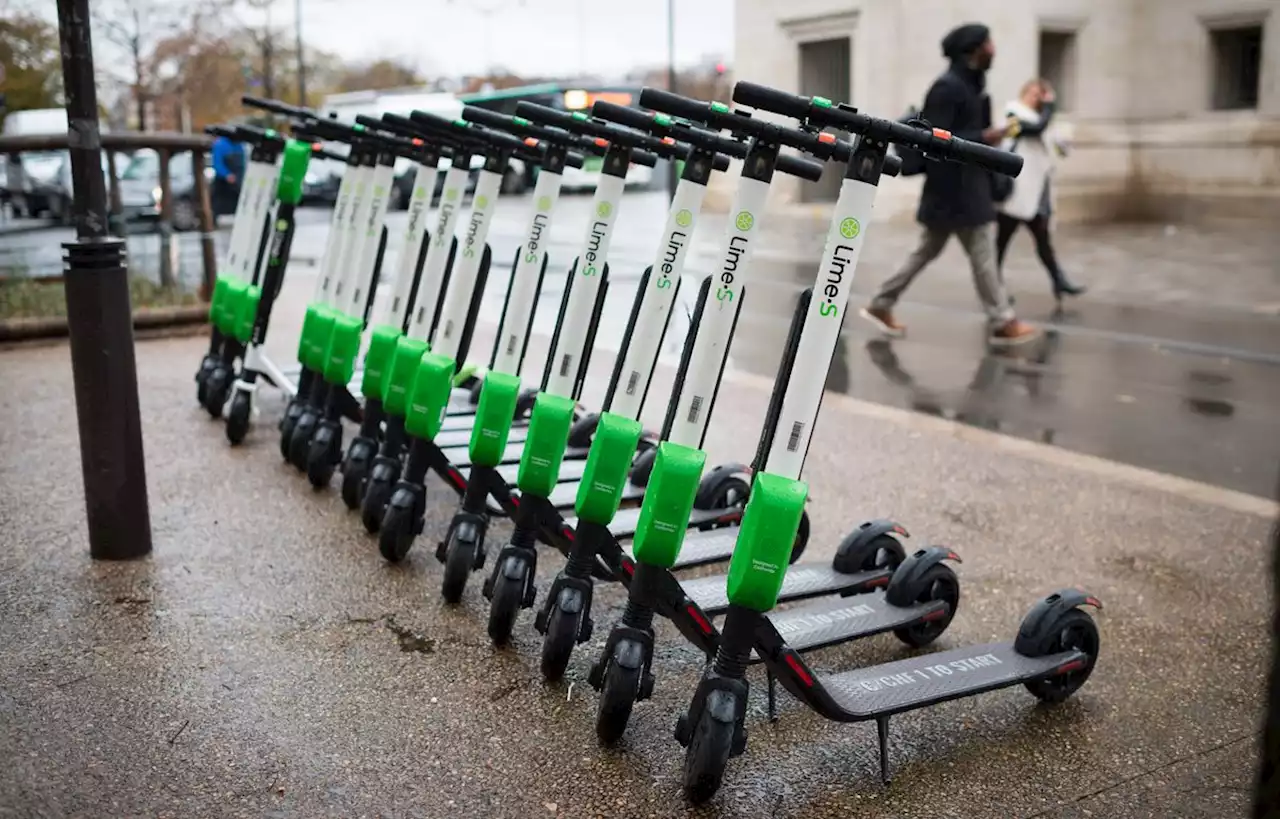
458	560
215	391
937	583
504	608
1074	629
617	697
287	424
238	417
558	643
353	488
802	537
320	467
706	759
373	506
300	440
395	537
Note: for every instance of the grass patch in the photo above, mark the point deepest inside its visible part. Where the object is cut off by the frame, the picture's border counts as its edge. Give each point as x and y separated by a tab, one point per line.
34	298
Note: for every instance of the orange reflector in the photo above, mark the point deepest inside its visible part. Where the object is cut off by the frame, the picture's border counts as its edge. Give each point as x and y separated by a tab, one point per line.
941	134
317	146
668	141
531	142
826	138
417	143
601	143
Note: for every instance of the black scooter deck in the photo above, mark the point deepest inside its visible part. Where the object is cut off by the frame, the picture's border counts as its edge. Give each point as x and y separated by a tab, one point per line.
461	439
625	521
917	682
566	494
831	622
801	582
701	548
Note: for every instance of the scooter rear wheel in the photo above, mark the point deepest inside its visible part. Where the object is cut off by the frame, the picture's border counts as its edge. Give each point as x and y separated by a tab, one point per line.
617	697
937	583
706	758
1076	630
558	643
504	608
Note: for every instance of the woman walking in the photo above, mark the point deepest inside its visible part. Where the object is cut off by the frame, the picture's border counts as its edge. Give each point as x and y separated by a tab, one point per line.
1031	202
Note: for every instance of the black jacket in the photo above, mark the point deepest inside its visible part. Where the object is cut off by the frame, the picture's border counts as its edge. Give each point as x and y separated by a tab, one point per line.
957	196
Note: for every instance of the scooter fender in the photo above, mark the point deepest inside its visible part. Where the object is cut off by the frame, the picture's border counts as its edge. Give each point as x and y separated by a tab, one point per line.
904	586
515	568
859	539
1045	612
571	600
629	654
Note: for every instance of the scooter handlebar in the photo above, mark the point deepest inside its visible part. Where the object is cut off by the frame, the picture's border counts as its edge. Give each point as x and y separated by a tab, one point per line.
645	149
932	142
676	105
278	107
805	169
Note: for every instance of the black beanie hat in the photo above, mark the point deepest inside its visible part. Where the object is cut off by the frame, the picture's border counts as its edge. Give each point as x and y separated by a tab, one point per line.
964	40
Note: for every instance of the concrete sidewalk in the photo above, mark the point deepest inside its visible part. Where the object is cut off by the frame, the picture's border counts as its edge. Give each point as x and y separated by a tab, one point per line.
265	661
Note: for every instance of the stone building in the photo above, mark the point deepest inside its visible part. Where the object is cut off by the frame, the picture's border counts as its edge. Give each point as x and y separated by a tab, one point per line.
1172	106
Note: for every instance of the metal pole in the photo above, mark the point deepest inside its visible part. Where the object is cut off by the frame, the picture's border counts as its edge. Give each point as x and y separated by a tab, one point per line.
671	84
207	226
302	66
100	322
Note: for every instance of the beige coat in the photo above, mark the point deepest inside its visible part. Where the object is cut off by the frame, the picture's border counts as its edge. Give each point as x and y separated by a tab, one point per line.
1037	154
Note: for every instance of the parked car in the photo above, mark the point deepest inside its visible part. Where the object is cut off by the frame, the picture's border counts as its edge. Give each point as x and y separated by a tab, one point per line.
140	194
320	185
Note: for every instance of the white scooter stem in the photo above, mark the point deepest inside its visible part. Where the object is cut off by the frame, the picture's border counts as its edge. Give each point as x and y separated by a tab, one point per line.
261	199
253	174
821	329
657	300
429	295
333	242
462	284
584	288
368	240
715	328
424	185
524	279
349	248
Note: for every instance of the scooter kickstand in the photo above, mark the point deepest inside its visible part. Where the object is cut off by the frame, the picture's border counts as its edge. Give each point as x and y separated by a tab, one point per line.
773	696
882	729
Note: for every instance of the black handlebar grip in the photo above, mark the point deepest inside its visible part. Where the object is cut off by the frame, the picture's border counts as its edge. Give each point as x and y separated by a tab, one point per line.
277	107
639	156
573	159
623	115
805	169
658	100
986	156
892	165
770	99
720	163
220	130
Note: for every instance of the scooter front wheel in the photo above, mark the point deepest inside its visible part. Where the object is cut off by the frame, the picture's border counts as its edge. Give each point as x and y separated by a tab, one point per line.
504	608
300	440
617	697
558	643
373	506
238	417
706	758
459	557
215	391
320	465
396	535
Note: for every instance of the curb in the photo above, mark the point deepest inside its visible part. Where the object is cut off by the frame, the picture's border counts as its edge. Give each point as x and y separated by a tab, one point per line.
144	318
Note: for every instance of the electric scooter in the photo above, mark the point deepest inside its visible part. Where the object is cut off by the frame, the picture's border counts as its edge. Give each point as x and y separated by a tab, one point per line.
246	329
249	235
1057	644
256	303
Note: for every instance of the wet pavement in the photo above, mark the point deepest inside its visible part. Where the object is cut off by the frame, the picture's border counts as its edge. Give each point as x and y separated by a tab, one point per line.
265	661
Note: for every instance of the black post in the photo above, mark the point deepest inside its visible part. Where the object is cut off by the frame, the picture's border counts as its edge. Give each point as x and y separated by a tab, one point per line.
100	322
672	180
302	65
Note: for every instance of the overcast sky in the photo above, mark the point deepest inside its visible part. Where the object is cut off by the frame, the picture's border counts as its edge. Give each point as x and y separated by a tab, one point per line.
530	37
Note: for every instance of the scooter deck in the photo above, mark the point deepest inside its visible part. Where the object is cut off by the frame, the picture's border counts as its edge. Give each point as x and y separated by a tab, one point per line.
700	549
461	439
801	582
460	456
566	494
917	682
831	622
625	521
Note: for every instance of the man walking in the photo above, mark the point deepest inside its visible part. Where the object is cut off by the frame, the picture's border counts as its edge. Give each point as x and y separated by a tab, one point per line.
957	199
228	168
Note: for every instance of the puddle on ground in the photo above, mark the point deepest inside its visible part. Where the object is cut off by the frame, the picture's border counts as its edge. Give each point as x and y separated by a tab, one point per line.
410	640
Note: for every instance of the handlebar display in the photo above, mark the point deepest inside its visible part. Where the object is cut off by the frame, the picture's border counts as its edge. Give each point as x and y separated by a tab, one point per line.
932	142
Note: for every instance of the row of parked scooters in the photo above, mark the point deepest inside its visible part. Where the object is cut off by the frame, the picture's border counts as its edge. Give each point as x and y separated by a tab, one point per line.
619	502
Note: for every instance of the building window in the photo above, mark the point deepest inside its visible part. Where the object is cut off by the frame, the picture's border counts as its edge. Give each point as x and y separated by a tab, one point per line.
1058	64
1237	64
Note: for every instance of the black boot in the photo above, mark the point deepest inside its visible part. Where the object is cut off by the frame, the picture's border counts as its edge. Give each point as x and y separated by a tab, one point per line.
1063	287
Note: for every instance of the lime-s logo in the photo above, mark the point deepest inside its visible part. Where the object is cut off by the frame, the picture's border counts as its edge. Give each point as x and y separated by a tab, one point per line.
603	210
850	228
420	192
282	225
544	203
684	218
744	221
451	194
482	201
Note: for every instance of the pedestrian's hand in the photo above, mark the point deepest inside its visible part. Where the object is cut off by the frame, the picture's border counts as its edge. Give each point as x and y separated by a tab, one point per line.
1046	92
994	134
231	178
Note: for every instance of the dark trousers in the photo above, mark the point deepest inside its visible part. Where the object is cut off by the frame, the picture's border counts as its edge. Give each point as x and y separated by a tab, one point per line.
1006	226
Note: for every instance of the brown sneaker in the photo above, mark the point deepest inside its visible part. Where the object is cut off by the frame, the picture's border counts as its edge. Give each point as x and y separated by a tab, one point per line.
1014	331
884	320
